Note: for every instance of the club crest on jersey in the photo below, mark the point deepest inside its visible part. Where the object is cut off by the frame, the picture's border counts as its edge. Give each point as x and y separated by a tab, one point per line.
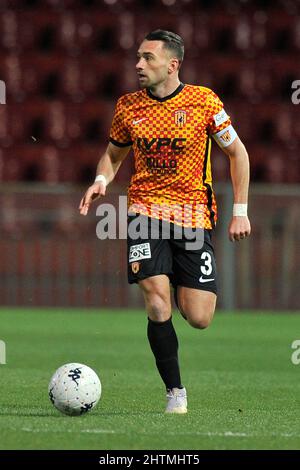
135	267
180	118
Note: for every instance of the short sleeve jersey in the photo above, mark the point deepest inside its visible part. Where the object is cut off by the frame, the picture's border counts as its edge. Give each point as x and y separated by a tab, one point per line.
171	142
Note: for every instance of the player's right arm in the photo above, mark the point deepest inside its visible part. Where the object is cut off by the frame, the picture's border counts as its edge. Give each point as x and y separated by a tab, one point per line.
108	166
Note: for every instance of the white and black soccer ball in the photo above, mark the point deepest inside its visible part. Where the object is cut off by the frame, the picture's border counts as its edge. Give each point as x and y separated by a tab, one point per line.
74	389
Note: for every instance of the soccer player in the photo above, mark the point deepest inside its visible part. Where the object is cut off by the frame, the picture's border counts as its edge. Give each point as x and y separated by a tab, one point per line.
169	124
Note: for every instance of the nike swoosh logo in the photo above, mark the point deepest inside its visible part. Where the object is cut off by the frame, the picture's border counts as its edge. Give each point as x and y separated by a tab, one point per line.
139	120
205	280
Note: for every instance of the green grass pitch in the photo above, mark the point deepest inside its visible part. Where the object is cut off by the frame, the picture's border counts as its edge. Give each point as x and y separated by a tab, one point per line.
243	388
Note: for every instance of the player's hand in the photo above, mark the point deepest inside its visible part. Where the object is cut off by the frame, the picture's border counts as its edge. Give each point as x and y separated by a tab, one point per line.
239	228
93	193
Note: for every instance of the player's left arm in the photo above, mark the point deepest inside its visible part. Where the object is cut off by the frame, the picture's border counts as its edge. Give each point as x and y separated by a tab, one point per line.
220	128
239	226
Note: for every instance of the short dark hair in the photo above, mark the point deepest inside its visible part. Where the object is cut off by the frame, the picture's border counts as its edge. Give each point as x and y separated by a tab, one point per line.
172	41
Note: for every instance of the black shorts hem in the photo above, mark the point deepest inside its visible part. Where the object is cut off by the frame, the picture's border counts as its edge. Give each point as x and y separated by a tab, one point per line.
146	276
170	276
206	288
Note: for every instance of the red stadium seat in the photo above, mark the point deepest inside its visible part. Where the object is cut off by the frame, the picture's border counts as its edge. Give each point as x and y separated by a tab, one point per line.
66	63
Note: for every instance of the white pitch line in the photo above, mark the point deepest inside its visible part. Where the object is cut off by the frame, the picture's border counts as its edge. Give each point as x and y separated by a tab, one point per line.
230	434
98	431
168	433
94	431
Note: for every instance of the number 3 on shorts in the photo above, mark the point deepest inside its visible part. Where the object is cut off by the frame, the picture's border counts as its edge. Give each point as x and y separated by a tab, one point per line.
207	268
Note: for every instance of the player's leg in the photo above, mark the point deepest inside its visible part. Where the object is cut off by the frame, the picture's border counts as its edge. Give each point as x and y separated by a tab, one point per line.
156	292
163	339
149	265
161	333
195	281
197	306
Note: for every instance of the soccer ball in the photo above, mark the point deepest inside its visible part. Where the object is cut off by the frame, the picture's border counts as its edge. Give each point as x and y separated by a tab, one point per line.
74	389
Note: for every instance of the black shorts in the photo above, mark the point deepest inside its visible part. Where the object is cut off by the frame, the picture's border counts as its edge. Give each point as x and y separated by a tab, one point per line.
187	262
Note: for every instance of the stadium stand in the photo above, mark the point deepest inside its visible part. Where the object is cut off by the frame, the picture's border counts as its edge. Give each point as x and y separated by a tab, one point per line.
65	62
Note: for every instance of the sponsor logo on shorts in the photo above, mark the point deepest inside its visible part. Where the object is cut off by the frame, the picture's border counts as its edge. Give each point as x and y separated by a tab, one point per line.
202	280
138	252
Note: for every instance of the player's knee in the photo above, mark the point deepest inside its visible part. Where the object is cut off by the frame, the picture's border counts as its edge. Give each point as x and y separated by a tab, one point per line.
199	323
159	306
200	320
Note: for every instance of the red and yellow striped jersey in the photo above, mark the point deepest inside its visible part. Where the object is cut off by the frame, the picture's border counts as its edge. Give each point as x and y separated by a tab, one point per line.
171	142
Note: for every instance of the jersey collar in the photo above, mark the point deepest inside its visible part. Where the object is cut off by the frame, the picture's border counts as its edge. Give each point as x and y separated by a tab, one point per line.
165	98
